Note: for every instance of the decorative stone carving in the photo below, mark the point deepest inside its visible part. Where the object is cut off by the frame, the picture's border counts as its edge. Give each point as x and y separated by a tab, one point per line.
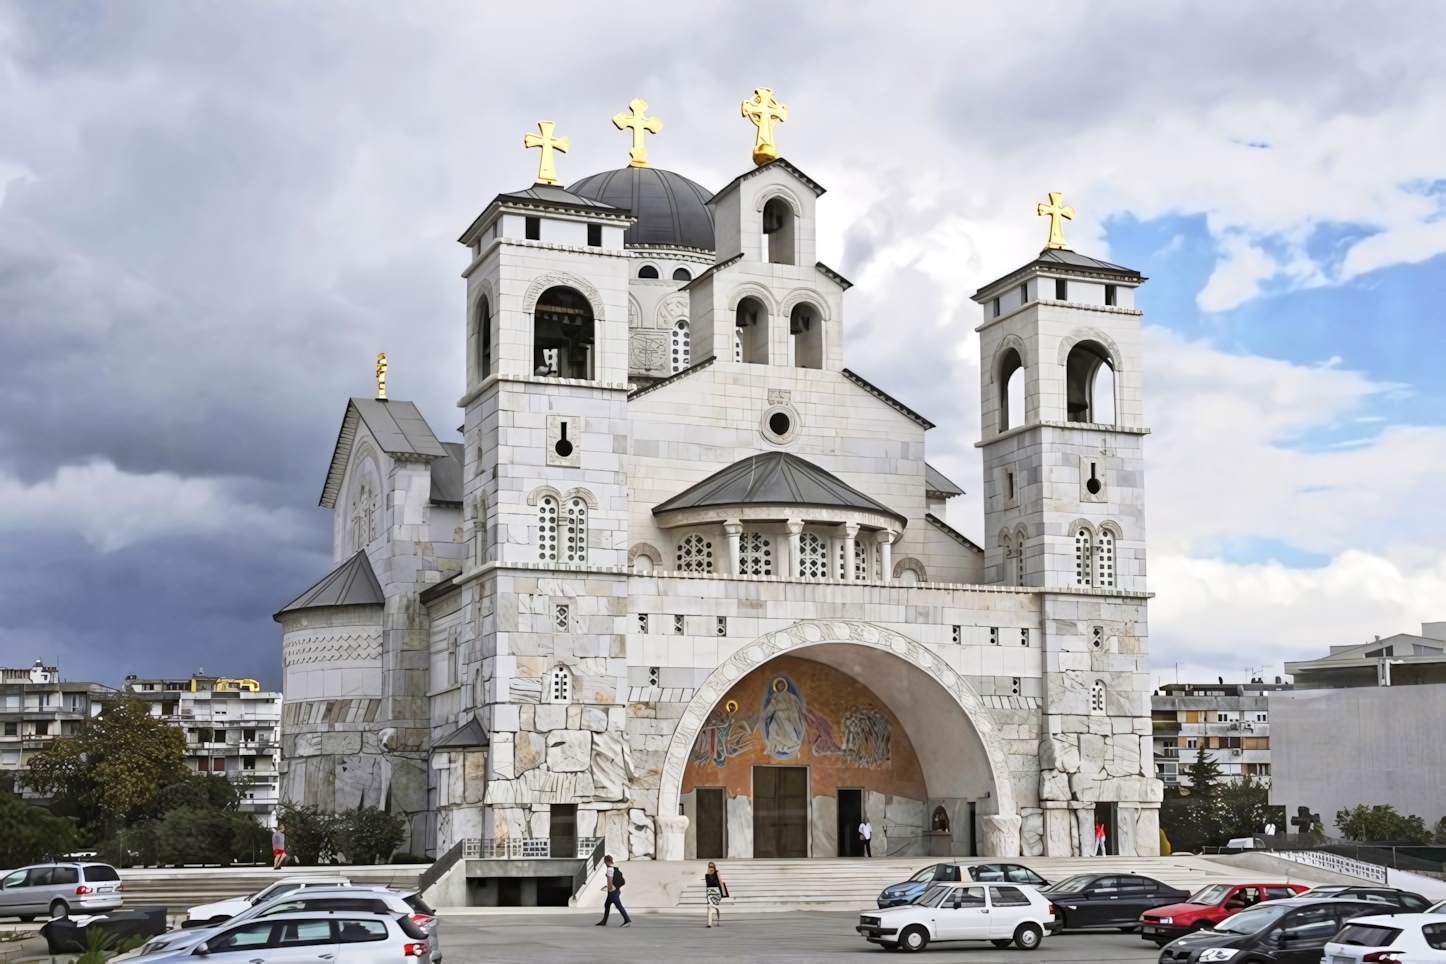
648	353
568	750
611	765
640	833
672	310
594	718
1053	785
1032	834
530	750
1001	835
1058	754
551	716
671	833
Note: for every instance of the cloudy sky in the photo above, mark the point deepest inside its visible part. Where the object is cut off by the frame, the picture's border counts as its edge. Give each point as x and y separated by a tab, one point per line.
214	215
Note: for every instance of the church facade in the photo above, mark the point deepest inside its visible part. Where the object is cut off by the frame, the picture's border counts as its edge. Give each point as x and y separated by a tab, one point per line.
685	584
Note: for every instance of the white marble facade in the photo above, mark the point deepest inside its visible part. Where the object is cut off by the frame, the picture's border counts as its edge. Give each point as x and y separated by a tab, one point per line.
538	595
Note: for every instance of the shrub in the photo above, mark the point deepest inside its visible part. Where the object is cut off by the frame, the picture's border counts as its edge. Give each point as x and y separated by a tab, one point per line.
29	833
1381	822
311	834
370	836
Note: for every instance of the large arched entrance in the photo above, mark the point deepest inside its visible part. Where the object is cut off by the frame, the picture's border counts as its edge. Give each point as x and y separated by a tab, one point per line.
866	682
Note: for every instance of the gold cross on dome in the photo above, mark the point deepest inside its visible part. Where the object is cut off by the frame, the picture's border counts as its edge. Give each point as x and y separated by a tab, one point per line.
764	111
637	118
1055	210
381	376
546	169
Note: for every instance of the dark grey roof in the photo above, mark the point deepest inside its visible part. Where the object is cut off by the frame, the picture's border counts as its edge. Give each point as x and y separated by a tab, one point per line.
777	478
353	583
668	208
447	474
470	735
1065	259
543	196
396	425
934	481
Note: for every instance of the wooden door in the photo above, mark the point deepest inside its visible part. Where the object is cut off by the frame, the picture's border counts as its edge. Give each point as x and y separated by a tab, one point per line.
780	811
710	810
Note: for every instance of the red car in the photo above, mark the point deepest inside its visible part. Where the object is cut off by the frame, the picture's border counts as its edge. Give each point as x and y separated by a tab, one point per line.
1210	905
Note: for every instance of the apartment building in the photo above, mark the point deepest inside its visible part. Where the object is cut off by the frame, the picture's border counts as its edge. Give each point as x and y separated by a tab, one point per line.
36	706
232	727
1230	720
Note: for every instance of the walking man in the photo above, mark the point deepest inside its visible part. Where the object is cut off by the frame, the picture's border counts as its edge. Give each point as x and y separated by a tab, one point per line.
866	834
278	846
614	886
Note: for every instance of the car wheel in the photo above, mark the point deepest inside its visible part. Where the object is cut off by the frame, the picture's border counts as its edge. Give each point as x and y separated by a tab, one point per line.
1004	943
59	908
914	939
1027	936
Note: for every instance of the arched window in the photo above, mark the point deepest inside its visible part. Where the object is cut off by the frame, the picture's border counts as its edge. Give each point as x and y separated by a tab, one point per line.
751	323
1097	698
562	335
1083	379
575	532
647	271
1011	396
682	347
484	339
778	232
682	274
861	560
1105	559
806	327
1019	541
1083	558
812	556
755	554
908	578
559	686
547	529
695	554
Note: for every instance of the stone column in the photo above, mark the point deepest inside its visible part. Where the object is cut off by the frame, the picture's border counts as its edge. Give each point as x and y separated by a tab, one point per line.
851	531
1001	835
1056	829
886	552
795	528
733	528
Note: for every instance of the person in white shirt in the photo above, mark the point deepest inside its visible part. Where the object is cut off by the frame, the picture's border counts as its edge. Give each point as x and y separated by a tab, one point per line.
613	884
866	834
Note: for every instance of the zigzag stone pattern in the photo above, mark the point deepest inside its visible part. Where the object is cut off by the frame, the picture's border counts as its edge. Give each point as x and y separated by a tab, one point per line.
349	647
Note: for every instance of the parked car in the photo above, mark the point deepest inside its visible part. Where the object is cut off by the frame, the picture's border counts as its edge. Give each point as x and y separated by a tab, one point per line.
336	937
910	890
1393	939
59	888
1109	900
1404	899
1290	931
1002	914
1209	905
224	910
371	899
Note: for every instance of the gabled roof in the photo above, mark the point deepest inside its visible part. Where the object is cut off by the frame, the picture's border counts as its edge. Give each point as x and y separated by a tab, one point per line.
777	478
353	583
470	735
952	533
398	428
934	481
447	475
817	188
1063	259
542	196
888	399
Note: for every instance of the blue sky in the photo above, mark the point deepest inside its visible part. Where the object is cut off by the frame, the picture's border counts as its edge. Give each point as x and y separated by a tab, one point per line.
212	216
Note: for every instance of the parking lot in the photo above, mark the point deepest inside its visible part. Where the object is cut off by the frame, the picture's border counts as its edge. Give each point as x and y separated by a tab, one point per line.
570	936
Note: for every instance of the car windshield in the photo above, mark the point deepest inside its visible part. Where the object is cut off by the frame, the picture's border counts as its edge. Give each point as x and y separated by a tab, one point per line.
1071	885
923	876
1253	920
1209	896
1437	908
934	896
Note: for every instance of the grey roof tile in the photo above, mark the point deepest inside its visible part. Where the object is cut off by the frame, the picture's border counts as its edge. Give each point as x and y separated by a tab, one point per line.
777	478
934	481
353	583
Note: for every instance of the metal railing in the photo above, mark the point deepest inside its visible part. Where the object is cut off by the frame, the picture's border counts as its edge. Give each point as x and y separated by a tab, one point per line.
531	848
1335	863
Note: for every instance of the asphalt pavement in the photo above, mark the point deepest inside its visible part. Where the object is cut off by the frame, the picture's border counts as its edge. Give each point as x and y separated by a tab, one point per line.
572	937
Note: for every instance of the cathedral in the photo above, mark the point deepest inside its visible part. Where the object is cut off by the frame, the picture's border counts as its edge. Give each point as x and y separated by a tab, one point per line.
684	584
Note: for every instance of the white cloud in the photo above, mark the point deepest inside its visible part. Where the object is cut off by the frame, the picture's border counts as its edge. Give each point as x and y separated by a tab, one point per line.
111	509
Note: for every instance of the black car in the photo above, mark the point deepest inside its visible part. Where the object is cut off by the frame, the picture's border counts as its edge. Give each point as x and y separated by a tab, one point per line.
1290	931
1395	897
1108	900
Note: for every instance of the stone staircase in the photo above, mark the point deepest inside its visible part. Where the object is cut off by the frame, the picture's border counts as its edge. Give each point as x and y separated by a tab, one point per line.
180	888
856	883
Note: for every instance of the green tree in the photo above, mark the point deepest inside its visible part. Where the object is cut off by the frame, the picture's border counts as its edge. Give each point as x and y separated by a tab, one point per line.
311	833
1190	815
1243	806
114	769
29	833
1381	822
369	835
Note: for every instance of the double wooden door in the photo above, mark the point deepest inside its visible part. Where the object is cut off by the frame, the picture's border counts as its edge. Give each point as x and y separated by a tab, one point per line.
780	811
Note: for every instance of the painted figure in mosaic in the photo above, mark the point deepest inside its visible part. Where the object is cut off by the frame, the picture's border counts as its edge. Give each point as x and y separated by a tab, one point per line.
784	718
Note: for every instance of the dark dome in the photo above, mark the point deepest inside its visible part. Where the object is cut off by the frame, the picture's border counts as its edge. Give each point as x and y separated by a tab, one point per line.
671	210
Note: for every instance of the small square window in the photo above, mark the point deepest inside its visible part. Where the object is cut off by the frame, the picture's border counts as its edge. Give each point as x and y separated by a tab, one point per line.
1016	685
993	635
654	672
722	625
1024	293
1024	637
1111	296
1061	289
248	763
561	618
12	729
594	235
678	625
643	623
533	228
958	634
1097	637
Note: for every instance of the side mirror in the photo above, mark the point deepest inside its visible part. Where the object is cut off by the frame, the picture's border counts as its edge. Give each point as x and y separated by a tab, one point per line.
202	949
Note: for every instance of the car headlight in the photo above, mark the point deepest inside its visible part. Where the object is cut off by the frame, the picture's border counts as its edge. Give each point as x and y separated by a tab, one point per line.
1163	920
1217	954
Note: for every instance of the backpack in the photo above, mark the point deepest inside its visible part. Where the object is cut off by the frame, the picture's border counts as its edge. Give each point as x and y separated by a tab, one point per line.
618	877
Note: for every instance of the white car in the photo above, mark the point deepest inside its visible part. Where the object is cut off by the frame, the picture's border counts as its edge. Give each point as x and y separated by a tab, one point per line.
1002	914
332	937
224	910
1389	939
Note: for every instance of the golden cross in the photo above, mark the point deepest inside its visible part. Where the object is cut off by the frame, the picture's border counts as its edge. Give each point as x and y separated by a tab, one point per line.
639	121
546	169
381	376
1055	210
763	111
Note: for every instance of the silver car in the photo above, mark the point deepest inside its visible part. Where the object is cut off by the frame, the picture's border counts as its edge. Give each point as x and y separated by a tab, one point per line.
58	889
371	899
331	937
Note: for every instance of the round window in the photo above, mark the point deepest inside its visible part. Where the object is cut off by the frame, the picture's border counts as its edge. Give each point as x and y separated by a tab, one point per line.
779	423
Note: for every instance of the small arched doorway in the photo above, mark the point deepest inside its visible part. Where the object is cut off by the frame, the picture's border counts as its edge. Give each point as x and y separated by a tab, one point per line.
1090	384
